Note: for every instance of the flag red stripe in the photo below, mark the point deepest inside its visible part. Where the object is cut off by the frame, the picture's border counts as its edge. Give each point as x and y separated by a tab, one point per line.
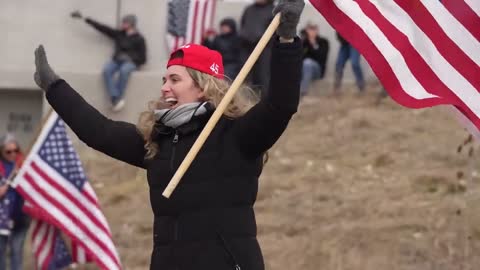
58	223
36	228
357	37
194	23
37	249
70	197
449	50
72	217
74	251
465	15
42	244
51	248
90	198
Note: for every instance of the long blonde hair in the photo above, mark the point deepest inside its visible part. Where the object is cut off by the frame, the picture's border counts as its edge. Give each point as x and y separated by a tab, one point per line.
214	90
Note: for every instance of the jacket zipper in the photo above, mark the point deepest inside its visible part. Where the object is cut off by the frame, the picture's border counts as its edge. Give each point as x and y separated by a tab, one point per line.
233	260
172	156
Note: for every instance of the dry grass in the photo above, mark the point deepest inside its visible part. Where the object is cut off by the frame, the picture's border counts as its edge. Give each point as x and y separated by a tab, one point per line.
350	185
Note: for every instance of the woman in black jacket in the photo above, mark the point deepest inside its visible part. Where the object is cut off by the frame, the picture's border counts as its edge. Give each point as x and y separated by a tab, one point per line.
208	222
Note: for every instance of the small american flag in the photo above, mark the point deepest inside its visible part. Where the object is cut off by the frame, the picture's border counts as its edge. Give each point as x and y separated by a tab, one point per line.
58	195
188	20
425	52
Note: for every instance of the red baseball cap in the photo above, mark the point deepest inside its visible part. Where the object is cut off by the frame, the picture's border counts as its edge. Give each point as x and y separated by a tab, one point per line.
199	58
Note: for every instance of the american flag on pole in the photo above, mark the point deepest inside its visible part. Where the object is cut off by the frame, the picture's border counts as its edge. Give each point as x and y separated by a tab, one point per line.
59	197
188	20
425	52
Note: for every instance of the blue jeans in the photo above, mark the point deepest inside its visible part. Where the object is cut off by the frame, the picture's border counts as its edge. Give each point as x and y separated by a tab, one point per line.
348	52
311	71
15	241
116	88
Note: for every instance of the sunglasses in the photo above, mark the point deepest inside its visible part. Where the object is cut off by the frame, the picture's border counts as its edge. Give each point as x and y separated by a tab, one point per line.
11	151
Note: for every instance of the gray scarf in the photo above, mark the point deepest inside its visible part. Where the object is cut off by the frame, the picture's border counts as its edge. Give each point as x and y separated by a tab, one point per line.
180	115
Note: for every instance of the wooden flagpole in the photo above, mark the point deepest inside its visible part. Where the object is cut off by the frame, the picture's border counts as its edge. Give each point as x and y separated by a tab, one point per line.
222	106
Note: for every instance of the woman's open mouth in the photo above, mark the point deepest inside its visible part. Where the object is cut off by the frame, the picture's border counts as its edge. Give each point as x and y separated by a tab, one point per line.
171	101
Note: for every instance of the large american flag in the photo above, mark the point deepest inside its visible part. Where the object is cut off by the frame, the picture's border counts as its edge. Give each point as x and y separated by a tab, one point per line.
58	195
425	52
188	20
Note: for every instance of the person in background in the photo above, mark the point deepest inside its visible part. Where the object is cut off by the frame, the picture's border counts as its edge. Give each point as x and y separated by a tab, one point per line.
348	52
227	43
129	55
13	222
208	38
315	53
255	20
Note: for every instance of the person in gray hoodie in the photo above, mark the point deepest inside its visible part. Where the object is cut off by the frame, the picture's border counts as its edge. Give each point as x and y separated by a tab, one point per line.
255	20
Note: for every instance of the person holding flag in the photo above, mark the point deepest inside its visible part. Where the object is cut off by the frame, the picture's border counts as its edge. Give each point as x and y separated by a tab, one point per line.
209	221
14	223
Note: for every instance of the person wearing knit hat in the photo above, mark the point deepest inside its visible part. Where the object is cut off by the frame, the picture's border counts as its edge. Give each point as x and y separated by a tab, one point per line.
209	221
129	54
227	43
13	222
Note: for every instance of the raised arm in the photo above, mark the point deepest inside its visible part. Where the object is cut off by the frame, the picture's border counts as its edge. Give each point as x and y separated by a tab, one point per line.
261	127
102	28
117	139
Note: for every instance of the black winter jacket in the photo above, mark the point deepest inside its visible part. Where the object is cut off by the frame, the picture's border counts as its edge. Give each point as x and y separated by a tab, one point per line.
131	45
209	222
319	53
229	46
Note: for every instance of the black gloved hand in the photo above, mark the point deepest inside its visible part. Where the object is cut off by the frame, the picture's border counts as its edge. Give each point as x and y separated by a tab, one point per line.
76	14
290	15
44	75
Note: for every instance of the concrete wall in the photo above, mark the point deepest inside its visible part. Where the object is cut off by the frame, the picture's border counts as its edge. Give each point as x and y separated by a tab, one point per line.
18	116
75	47
77	52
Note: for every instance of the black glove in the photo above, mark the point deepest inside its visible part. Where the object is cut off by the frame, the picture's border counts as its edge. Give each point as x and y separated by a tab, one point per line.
290	15
76	14
44	75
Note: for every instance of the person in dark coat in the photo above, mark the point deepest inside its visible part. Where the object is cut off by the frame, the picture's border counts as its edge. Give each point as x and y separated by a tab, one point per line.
209	220
130	53
315	53
254	21
227	43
